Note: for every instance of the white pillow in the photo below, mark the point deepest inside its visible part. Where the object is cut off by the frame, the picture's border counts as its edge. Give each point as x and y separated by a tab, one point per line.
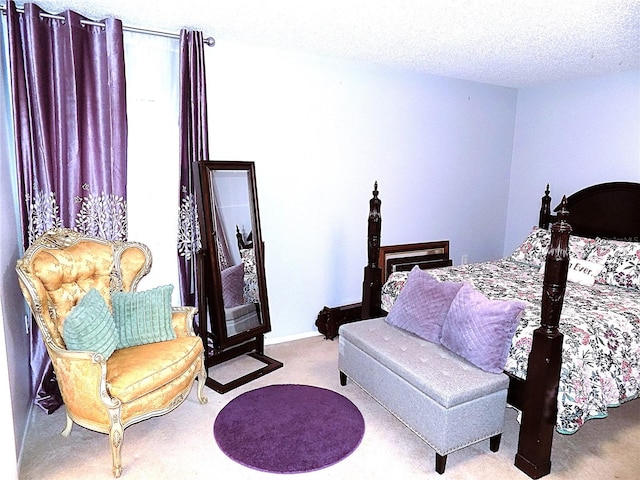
533	249
581	271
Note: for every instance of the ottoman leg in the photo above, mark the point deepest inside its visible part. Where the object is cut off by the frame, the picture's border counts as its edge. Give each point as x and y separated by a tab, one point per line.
494	442
343	379
441	462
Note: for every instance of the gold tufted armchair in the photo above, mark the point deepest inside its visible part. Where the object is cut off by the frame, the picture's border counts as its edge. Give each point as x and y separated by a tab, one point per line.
135	382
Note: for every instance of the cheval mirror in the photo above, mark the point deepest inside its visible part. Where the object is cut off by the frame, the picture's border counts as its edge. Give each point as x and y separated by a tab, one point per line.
232	291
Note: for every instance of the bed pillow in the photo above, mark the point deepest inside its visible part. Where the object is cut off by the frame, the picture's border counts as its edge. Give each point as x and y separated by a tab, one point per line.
89	326
143	317
583	272
479	329
533	250
620	261
422	305
580	247
233	285
392	288
250	292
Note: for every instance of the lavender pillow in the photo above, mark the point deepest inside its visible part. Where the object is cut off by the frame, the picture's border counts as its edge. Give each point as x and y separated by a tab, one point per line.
480	329
422	305
232	286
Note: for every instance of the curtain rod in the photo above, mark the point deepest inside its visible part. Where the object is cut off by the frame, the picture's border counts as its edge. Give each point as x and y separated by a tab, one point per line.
210	41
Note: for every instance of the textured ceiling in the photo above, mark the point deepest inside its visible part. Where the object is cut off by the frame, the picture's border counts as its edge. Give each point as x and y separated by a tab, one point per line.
512	43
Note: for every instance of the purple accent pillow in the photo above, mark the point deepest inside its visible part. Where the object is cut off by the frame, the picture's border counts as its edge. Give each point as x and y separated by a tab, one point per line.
422	305
232	286
480	329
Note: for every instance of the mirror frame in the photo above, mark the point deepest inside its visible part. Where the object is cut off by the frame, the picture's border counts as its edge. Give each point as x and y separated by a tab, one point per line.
211	279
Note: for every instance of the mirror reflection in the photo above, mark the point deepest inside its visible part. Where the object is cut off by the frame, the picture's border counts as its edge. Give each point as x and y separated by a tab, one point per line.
232	269
236	256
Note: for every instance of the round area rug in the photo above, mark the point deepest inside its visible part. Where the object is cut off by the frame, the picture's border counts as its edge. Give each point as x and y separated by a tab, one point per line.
289	428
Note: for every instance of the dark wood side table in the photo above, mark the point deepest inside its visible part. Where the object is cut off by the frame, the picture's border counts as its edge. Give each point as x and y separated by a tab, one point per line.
392	258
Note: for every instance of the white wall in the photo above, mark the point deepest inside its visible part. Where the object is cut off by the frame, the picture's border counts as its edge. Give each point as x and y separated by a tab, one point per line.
322	130
571	135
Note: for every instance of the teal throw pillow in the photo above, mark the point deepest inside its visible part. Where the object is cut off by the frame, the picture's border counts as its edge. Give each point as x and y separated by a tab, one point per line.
143	317
89	326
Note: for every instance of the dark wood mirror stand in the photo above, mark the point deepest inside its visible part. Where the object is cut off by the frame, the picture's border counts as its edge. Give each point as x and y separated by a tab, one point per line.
232	291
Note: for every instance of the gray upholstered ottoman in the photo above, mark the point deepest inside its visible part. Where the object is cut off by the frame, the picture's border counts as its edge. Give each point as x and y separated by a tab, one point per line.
444	399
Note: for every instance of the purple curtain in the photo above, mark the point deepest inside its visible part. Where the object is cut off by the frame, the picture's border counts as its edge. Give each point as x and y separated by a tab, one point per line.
194	145
68	93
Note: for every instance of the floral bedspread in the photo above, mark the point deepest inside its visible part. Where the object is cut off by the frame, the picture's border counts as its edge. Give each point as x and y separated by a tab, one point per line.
601	327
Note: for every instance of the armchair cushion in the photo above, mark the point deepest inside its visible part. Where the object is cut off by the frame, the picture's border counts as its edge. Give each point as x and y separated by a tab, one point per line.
90	326
143	317
129	378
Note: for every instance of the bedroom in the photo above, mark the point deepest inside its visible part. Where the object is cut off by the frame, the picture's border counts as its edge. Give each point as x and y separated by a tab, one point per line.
475	158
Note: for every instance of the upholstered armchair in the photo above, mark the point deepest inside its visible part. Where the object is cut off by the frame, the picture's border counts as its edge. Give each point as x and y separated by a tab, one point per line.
122	380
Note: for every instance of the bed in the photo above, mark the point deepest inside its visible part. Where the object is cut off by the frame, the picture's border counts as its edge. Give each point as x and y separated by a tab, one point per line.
576	351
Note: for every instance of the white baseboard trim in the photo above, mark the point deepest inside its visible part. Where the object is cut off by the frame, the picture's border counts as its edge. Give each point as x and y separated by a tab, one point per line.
289	338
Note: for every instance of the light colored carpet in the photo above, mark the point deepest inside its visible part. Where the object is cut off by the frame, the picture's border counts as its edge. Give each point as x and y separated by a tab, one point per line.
180	445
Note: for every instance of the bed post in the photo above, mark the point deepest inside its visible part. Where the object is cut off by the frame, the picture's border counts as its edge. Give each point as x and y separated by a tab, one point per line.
372	284
540	406
545	210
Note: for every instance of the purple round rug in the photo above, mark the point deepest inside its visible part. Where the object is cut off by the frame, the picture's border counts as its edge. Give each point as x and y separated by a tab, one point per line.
289	428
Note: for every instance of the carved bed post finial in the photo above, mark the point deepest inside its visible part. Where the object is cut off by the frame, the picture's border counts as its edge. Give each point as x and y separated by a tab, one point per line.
557	266
375	226
372	284
545	210
239	238
540	405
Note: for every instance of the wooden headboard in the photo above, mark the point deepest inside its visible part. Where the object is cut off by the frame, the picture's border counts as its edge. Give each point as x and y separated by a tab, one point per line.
609	210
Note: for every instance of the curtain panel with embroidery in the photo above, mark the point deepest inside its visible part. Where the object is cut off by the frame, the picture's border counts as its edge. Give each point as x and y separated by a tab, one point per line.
70	128
68	92
194	146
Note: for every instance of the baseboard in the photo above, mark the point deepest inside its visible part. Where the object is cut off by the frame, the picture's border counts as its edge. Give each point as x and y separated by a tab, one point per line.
289	338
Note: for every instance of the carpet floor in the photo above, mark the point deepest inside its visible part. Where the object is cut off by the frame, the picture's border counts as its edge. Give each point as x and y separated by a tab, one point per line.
180	445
